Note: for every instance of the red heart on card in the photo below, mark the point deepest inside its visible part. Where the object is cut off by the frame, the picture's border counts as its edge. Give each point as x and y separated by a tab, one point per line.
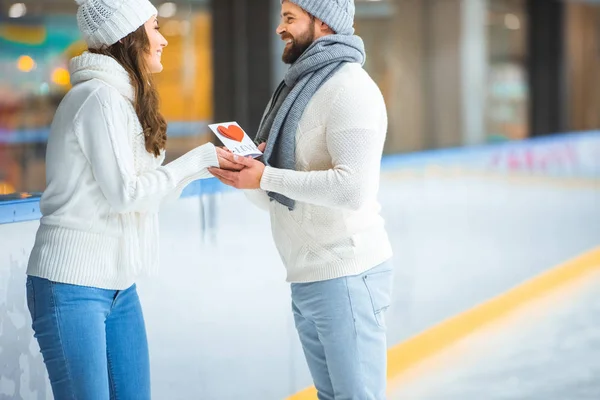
232	132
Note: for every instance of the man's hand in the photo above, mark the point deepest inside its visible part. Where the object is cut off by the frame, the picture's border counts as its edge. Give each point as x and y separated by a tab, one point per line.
224	161
246	175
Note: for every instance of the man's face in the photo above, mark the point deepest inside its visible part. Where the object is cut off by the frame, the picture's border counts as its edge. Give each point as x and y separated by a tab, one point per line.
297	29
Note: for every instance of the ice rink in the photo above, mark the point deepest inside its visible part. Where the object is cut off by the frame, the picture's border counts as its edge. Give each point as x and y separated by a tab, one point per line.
220	325
546	351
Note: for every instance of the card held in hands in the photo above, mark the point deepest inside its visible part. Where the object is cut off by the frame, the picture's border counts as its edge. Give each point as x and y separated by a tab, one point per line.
235	139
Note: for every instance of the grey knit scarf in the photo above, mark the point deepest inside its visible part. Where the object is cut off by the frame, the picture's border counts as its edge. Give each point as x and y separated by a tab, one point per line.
280	121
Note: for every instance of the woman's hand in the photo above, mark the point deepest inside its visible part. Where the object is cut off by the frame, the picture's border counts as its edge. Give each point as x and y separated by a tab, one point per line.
237	171
248	177
224	156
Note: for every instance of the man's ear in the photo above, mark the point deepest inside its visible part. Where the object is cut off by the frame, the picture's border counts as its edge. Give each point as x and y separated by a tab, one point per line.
325	28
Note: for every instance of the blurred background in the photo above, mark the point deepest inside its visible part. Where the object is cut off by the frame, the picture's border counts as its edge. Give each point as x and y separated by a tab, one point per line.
453	72
490	190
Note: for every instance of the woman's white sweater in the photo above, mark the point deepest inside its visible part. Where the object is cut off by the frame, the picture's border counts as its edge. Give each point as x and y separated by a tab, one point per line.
100	223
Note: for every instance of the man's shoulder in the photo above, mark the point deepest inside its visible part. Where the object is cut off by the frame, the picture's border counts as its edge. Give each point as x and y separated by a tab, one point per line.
352	78
349	92
351	71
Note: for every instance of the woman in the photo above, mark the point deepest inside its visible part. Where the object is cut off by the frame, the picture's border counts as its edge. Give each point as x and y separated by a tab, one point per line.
99	229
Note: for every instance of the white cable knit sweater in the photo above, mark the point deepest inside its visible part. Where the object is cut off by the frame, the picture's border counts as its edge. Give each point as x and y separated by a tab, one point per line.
100	224
335	229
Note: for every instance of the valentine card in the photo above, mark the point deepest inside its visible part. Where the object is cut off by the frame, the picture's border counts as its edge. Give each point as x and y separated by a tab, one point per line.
235	139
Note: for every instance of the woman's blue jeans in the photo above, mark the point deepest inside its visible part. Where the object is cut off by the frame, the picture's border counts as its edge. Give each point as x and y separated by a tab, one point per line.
93	341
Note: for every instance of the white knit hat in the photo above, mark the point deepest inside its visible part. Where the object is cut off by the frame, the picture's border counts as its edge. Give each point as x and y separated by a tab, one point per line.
105	22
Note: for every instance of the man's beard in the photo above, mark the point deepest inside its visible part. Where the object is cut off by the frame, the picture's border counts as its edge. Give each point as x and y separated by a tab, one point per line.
298	46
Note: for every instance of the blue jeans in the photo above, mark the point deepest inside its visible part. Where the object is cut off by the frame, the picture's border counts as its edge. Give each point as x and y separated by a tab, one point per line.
341	325
93	340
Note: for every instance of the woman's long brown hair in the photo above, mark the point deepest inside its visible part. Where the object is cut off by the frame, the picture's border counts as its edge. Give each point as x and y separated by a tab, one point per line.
131	53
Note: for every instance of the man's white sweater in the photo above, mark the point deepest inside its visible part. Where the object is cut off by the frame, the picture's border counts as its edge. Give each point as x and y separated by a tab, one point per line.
335	228
100	226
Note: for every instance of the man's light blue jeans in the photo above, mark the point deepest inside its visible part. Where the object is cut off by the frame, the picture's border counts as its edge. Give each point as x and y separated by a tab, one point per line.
341	324
93	340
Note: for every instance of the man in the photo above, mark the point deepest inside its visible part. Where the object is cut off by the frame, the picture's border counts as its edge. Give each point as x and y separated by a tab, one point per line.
322	135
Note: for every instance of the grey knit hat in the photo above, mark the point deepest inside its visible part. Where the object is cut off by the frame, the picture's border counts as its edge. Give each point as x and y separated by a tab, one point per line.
337	14
105	22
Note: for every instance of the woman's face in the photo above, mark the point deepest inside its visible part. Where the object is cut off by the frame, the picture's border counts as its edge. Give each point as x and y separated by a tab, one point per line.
157	44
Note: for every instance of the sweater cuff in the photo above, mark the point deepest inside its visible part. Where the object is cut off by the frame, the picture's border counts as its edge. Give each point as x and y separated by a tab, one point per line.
193	162
272	179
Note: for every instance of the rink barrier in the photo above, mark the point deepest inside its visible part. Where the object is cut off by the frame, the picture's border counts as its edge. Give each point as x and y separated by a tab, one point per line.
176	129
571	159
411	352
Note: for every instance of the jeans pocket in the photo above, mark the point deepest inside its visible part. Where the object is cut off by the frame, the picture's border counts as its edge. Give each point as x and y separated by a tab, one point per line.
30	297
379	286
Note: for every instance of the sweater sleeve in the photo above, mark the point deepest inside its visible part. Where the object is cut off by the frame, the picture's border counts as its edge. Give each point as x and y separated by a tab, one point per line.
102	134
355	133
